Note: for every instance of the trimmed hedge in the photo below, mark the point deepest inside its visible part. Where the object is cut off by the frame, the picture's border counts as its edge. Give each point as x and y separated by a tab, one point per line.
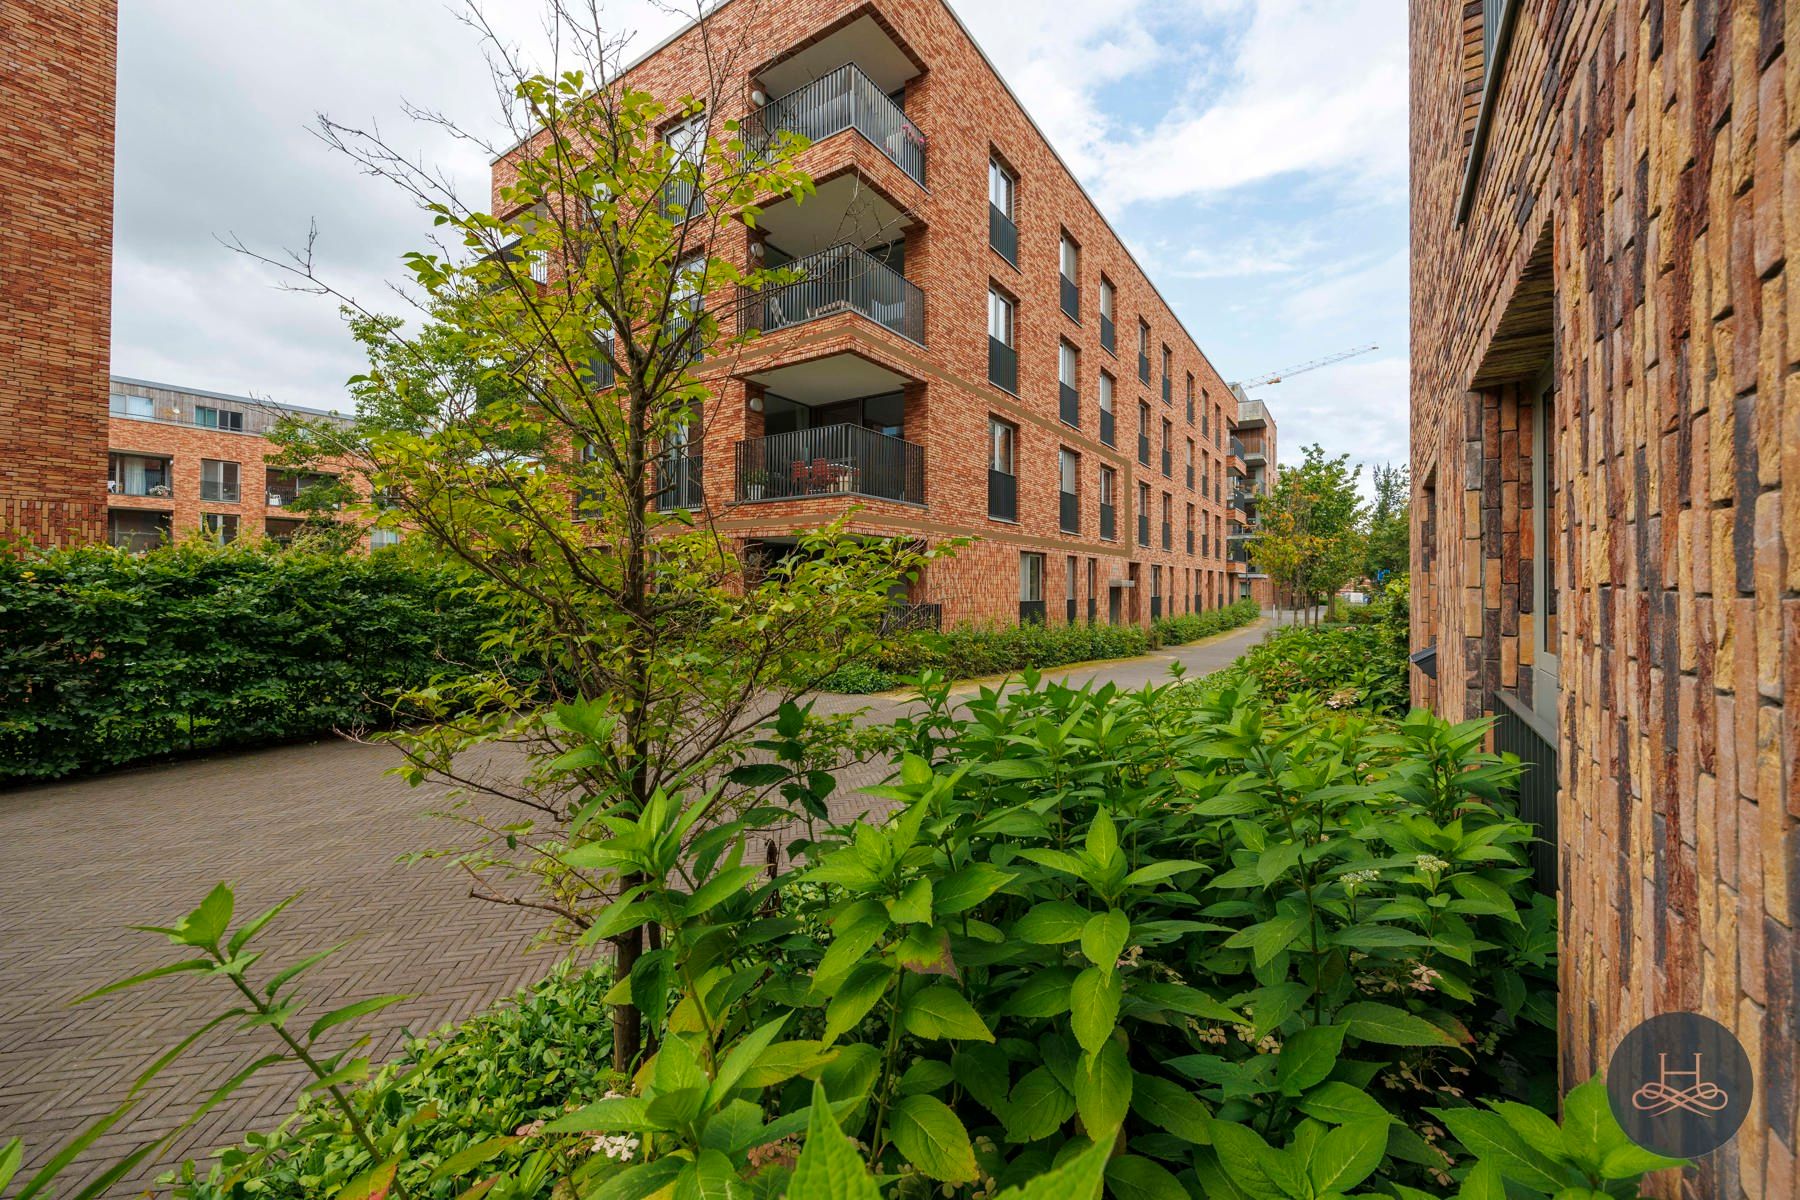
108	658
969	652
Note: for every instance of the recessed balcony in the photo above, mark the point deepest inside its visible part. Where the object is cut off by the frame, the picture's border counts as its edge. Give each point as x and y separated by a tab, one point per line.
830	460
840	279
843	99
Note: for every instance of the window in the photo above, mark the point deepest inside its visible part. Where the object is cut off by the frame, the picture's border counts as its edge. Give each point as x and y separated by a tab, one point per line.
1218	425
1107	432
1190	464
132	406
380	539
1093	590
218	418
1070	263
1003	483
1108	334
1073	580
1143	514
1003	229
1190	397
1003	359
1109	482
1155	591
219	527
1168	447
1068	374
218	480
1190	529
683	193
1168	367
1205	413
1144	351
1031	589
1068	465
1168	522
140	475
1143	433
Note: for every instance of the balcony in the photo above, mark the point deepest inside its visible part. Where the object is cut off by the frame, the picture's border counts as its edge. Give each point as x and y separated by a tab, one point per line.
1071	298
831	460
1069	512
286	487
1003	496
1003	235
137	530
1003	365
678	482
1109	530
841	279
140	475
841	100
1069	407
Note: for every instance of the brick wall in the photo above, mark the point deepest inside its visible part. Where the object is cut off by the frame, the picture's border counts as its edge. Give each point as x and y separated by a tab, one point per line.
1626	244
949	398
56	170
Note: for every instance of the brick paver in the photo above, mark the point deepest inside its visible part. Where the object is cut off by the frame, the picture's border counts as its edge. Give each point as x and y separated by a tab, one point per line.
82	860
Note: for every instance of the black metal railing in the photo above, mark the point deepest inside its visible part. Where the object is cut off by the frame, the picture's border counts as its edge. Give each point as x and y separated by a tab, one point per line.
843	99
1071	612
600	364
1190	542
1168	536
1003	365
1155	607
830	460
1144	449
1109	526
678	482
905	618
1070	512
1143	368
1168	391
837	280
1190	477
1108	431
1093	609
1143	529
1520	731
1109	335
1071	298
1003	235
1032	612
1070	406
1168	462
1003	495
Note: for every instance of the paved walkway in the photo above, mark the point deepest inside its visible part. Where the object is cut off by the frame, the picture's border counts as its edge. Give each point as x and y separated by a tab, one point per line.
80	861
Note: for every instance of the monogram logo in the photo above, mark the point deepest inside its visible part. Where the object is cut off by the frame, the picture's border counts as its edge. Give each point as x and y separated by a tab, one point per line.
1680	1084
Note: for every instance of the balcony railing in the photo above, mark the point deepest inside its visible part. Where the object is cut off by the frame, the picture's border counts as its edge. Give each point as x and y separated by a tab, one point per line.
1190	476
1109	335
1168	391
1168	536
141	477
1003	235
678	482
1107	430
1070	406
1071	298
1143	529
1155	607
839	280
1237	448
1168	462
1003	365
1143	368
844	99
1003	495
1144	449
1069	512
904	618
1523	732
831	460
1032	612
1108	522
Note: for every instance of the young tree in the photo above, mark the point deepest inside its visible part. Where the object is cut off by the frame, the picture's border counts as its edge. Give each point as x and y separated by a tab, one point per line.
1310	540
540	429
1390	524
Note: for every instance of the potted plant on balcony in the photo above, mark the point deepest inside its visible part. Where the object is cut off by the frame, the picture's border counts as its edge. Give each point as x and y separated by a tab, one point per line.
159	490
754	484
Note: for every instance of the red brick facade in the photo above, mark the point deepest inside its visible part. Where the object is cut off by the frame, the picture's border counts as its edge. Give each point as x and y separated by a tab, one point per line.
56	171
948	400
1607	505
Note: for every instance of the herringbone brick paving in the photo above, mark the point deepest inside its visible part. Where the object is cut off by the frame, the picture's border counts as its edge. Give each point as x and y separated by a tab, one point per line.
81	861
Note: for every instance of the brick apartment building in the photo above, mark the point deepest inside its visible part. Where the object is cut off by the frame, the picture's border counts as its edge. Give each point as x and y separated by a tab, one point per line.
1253	438
182	460
56	170
979	356
1606	463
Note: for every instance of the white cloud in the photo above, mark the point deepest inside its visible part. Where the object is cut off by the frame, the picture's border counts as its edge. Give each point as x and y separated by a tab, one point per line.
1358	408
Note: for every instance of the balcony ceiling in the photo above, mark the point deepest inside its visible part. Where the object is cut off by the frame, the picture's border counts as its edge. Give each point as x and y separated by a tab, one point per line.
845	209
826	380
862	42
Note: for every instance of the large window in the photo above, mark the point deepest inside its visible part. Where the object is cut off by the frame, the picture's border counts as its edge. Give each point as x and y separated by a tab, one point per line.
1003	482
1107	432
1003	228
1001	189
1070	265
1144	351
1108	332
141	475
1109	484
1143	433
1168	448
1031	588
1143	514
219	527
1073	583
218	480
1068	467
1003	359
1068	375
218	418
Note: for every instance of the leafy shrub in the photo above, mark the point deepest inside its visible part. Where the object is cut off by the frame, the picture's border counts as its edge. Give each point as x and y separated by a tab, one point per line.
1360	665
971	652
108	658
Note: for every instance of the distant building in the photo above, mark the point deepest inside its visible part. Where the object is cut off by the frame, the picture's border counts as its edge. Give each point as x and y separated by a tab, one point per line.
182	460
1253	437
56	175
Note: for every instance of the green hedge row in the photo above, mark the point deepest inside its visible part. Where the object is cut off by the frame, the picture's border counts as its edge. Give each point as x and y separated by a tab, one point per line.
970	652
109	658
1359	665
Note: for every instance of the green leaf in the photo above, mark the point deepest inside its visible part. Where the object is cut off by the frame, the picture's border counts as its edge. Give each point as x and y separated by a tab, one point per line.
1102	838
1051	923
1269	938
852	1002
985	1073
1589	1129
733	1128
1129	1177
829	1167
1348	1155
1102	1087
964	889
640	1181
616	1114
470	1157
718	889
1338	1103
784	1060
1307	1057
1080	1178
1171	1107
1389	1026
1630	1161
254	926
1094	1007
913	906
1038	1107
855	931
1158	871
372	1184
12	1157
932	1138
940	1011
350	1012
1189	1001
1242	1155
1487	1136
190	964
207	924
711	1177
1103	938
1044	994
1483	1182
747	1052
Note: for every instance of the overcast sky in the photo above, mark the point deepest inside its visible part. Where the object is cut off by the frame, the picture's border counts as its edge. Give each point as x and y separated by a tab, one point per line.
1253	152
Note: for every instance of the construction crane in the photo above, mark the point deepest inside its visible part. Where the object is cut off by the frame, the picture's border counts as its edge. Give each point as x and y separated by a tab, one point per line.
1303	368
